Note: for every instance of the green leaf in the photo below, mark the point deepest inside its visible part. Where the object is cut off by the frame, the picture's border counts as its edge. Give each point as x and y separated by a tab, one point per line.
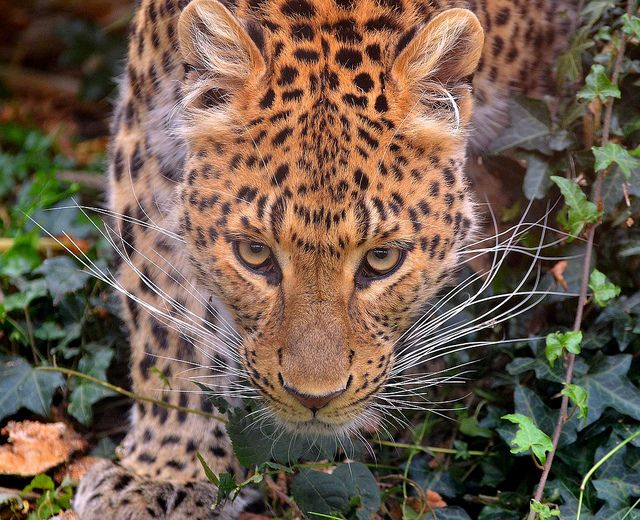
544	511
22	257
41	482
362	484
23	386
614	153
631	25
529	437
29	291
580	211
607	385
557	342
450	513
85	393
536	180
598	85
211	476
62	276
603	290
530	128
578	396
317	492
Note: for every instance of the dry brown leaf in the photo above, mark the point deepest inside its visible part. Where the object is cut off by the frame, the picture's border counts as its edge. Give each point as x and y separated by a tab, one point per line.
434	500
558	273
35	447
75	469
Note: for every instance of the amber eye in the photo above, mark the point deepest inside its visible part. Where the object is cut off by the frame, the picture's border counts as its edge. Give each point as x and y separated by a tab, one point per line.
382	259
254	254
378	263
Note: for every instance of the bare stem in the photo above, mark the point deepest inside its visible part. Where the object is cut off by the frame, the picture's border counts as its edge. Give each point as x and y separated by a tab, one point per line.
586	270
122	391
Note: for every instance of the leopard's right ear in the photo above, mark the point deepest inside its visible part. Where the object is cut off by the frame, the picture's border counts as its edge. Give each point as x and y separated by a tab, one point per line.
218	46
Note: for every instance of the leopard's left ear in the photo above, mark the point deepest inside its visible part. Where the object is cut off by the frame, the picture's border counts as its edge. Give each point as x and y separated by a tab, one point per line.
215	43
437	64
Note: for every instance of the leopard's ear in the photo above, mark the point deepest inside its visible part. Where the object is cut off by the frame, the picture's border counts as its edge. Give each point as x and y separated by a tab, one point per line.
216	44
436	66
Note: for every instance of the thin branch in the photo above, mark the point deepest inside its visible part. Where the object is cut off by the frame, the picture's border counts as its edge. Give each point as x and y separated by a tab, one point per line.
586	269
136	397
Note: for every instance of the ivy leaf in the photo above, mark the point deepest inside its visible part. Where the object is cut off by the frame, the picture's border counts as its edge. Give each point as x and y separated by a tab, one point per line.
603	290
578	396
607	385
580	210
317	492
631	25
529	437
362	484
536	180
29	291
85	393
598	85
544	511
530	128
350	485
614	153
62	276
558	341
23	386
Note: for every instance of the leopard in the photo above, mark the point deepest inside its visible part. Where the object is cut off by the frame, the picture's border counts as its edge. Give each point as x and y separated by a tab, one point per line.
287	191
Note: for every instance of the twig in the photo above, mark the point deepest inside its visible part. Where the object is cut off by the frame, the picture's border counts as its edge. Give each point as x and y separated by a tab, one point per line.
431	449
586	269
136	397
48	245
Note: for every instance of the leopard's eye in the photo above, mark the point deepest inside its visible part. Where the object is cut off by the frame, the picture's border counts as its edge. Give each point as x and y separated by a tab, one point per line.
253	254
382	259
378	263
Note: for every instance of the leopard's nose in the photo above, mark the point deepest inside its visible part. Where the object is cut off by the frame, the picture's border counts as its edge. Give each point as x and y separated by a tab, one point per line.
314	402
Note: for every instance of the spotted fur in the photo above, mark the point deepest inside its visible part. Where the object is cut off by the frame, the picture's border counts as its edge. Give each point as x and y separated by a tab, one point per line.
322	129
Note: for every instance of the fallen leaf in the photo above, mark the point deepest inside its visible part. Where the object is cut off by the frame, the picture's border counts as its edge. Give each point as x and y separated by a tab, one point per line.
434	500
75	469
558	273
35	447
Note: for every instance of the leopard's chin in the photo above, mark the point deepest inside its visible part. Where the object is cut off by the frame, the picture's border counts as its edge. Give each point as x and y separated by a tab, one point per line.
340	426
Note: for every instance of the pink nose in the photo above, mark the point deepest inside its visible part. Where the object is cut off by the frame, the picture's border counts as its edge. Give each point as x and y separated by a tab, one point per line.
313	402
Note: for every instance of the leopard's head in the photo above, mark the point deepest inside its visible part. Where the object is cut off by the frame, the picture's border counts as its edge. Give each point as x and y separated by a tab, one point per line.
323	199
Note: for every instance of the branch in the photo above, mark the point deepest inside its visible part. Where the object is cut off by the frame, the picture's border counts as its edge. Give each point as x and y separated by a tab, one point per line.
586	268
131	395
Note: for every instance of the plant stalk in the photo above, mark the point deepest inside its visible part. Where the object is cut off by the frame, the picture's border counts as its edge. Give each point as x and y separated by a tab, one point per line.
586	269
131	395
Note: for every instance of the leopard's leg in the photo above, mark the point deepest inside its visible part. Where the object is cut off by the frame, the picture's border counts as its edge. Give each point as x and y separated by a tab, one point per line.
172	328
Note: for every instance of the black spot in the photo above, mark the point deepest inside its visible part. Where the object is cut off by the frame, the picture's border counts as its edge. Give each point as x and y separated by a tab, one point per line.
282	136
356	101
382	23
306	55
349	58
218	451
298	8
373	51
361	179
122	482
281	174
267	99
449	177
137	162
302	32
160	333
292	95
503	16
381	103
364	82
287	76
345	32
405	39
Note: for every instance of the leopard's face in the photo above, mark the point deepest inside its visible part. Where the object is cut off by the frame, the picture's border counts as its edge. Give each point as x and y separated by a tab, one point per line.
324	200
